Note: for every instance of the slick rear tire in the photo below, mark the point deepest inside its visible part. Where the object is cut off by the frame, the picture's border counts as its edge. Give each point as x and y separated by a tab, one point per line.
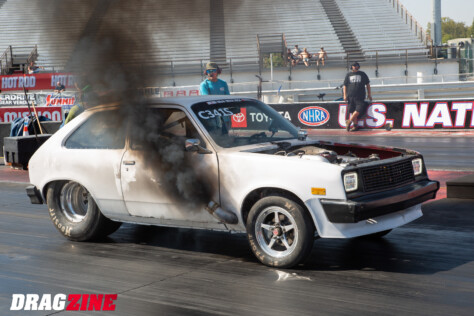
75	214
280	232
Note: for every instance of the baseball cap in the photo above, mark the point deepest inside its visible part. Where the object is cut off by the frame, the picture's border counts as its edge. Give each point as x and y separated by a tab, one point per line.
212	65
355	64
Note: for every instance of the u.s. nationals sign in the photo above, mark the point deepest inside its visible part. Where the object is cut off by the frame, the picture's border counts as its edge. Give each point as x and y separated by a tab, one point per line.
436	114
9	114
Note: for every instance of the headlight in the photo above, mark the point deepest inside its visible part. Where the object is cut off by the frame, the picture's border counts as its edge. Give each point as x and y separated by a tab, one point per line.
417	166
350	181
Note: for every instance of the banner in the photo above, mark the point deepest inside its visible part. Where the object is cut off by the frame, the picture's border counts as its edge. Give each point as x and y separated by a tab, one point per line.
9	114
179	92
46	81
13	99
400	115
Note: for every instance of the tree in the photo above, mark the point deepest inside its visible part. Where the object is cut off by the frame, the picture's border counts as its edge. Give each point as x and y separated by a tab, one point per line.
451	29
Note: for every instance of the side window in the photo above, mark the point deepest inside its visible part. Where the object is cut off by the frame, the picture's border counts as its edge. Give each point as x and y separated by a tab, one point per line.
103	130
161	127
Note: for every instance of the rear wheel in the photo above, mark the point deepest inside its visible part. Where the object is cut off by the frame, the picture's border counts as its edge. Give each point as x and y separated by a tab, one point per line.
280	232
75	214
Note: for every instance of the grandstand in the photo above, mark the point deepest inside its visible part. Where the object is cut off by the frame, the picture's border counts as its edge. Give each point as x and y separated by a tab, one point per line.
175	39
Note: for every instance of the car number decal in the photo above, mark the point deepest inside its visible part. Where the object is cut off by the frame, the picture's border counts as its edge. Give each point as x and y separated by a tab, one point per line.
209	114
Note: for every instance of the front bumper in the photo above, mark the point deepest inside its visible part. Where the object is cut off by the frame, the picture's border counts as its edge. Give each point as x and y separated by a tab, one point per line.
377	204
34	195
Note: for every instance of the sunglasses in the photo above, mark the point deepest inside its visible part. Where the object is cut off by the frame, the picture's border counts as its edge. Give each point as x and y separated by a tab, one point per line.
211	71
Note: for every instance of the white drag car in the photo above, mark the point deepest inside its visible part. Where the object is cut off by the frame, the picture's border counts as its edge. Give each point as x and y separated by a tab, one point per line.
222	163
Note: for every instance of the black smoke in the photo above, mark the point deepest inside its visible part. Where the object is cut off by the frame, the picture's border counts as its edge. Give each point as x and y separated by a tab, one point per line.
109	56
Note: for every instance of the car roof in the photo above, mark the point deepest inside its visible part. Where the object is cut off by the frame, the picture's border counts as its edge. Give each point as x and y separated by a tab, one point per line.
189	101
183	101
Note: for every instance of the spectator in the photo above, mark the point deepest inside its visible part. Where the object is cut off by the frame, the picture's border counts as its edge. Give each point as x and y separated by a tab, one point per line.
213	85
296	52
291	58
305	56
33	69
59	87
354	93
322	55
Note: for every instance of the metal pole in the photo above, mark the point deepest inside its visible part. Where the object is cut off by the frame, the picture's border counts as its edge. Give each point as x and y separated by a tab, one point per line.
271	67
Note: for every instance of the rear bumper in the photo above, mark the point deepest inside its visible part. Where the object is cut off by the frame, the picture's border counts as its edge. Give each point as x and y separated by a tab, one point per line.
378	204
34	195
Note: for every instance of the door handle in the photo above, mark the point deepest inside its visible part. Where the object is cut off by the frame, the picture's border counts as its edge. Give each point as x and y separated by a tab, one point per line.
129	162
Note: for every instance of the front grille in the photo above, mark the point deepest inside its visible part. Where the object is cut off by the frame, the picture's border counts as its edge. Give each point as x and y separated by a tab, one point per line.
387	176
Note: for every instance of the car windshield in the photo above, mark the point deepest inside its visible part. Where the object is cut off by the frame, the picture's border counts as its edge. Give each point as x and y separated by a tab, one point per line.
240	122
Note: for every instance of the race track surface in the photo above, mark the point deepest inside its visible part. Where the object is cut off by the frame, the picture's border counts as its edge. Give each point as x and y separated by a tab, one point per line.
424	268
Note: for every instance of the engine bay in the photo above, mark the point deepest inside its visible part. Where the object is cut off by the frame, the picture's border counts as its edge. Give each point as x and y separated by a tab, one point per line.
340	154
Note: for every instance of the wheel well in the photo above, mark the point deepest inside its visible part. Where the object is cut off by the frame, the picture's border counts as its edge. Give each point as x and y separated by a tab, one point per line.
45	188
257	194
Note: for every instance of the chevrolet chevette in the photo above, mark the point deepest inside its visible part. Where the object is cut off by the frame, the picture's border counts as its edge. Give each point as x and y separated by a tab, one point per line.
222	163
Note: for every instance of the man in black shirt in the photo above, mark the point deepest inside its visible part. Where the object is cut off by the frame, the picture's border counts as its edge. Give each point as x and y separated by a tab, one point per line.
354	93
59	87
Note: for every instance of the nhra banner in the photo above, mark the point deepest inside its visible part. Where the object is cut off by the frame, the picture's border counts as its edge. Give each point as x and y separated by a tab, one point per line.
9	114
46	81
401	115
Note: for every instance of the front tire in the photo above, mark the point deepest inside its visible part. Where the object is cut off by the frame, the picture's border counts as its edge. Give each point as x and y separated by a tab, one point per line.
280	232
75	214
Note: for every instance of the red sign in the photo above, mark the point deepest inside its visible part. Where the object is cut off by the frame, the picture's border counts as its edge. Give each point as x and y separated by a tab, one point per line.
174	92
35	81
240	119
9	114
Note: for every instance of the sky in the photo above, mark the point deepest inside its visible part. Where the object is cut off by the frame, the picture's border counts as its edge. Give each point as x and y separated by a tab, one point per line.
458	10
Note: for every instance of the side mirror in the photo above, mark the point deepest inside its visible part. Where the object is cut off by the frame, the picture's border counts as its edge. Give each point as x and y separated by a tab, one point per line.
302	134
194	145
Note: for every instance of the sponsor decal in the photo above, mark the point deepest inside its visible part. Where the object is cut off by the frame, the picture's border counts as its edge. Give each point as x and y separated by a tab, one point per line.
239	120
9	114
54	99
313	116
60	302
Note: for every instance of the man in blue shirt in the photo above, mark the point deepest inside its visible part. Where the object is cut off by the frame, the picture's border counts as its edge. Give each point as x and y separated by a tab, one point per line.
212	85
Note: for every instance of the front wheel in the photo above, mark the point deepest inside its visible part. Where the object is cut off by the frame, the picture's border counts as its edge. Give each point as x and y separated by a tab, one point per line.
280	232
75	214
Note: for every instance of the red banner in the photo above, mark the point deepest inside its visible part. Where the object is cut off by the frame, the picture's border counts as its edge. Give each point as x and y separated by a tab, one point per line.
9	114
35	81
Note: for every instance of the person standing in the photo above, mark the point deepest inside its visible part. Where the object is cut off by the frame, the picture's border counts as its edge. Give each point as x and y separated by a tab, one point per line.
213	85
353	89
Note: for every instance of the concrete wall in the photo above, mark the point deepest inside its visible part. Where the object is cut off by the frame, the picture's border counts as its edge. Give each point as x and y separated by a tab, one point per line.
330	75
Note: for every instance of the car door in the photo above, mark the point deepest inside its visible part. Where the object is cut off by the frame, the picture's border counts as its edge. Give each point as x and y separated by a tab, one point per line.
160	180
92	154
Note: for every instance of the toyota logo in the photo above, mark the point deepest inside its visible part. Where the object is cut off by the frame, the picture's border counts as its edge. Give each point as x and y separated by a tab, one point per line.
239	117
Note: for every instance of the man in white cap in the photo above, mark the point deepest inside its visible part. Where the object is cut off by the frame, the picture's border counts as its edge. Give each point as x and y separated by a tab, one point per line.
354	93
213	85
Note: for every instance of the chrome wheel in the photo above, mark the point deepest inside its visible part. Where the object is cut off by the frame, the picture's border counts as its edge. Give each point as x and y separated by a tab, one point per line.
74	201
276	231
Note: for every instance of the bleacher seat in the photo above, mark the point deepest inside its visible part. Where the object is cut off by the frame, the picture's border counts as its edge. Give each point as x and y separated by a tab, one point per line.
180	31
